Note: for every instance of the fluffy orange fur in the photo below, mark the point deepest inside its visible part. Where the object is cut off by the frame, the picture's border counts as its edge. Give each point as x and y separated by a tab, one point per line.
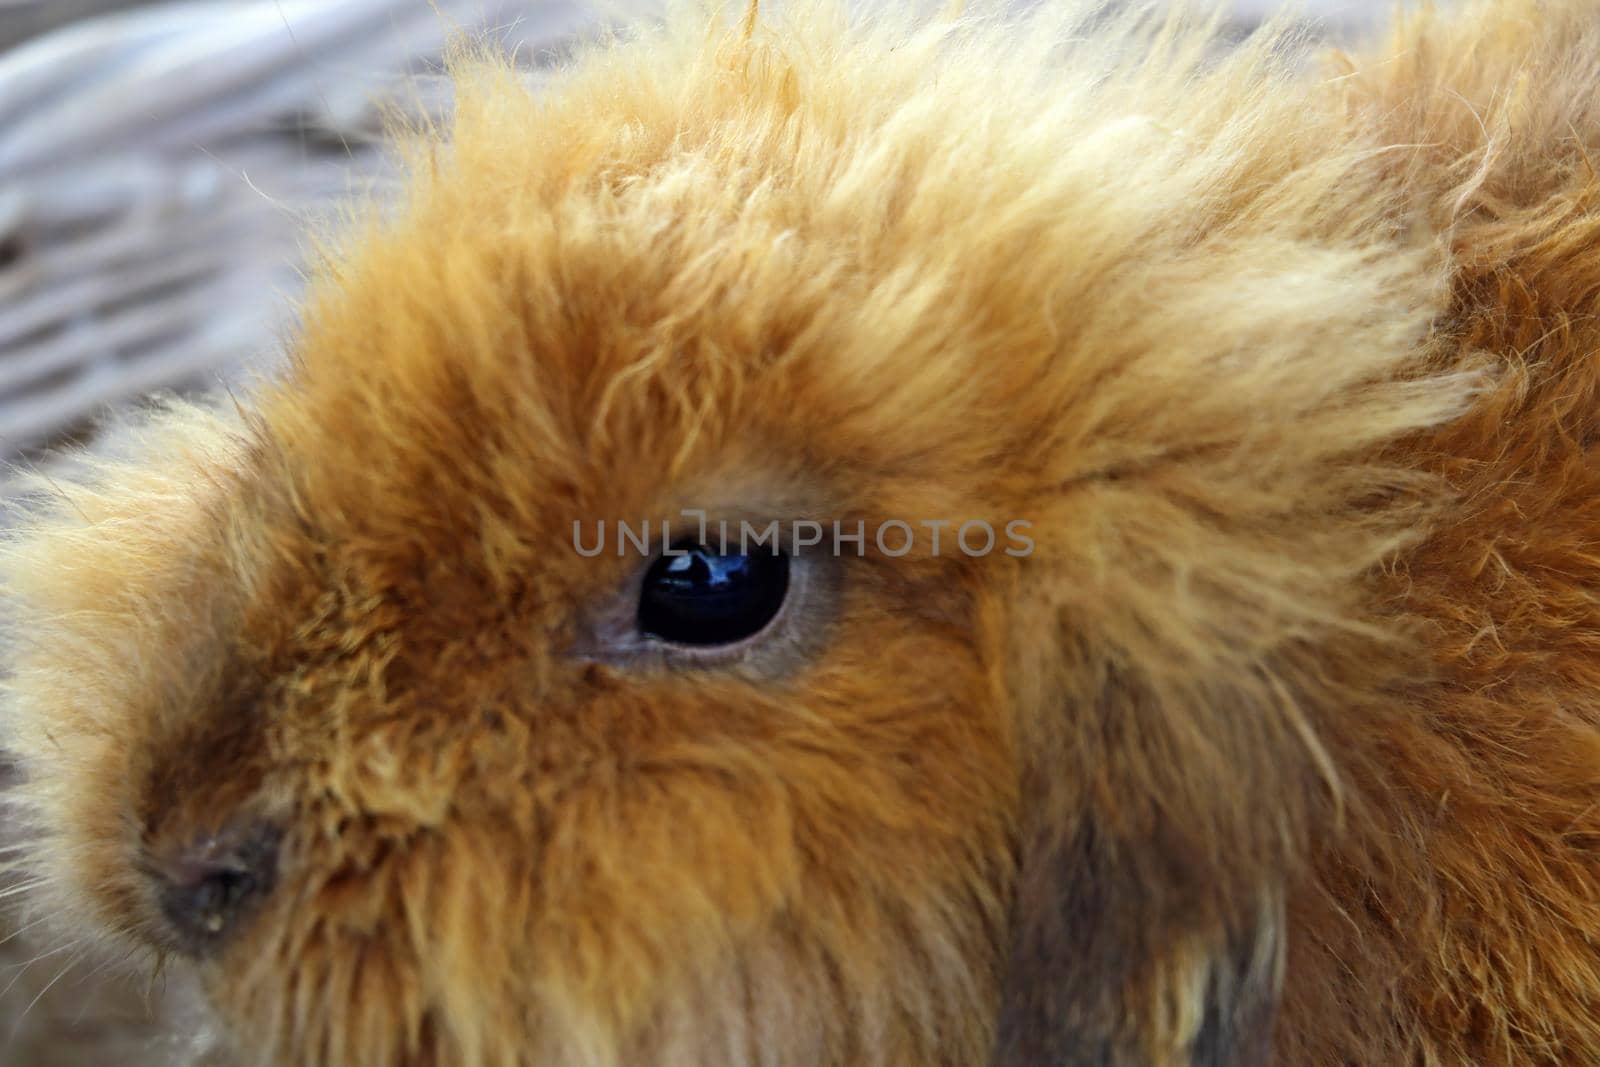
1285	734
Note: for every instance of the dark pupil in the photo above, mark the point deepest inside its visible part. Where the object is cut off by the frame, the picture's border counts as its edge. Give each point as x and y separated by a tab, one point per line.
707	598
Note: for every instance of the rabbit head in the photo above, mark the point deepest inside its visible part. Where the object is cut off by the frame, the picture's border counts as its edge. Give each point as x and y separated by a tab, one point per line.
1054	371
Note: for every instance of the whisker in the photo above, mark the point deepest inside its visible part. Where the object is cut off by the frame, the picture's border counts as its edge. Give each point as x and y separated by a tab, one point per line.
316	84
22	968
21	887
17	1027
97	969
24	928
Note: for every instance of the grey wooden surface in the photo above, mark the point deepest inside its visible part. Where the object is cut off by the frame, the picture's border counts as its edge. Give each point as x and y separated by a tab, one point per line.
21	19
160	169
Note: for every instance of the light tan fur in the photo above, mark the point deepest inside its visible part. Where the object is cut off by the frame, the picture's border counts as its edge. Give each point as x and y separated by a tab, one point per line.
1293	369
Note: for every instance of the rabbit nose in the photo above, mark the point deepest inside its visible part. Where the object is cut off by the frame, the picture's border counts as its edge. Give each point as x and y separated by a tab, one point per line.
209	884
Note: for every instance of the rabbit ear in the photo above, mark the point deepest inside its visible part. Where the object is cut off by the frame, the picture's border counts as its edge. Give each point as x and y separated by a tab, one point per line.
1138	938
1092	982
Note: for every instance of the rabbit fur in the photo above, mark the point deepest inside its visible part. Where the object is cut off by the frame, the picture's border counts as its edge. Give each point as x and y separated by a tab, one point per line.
1282	744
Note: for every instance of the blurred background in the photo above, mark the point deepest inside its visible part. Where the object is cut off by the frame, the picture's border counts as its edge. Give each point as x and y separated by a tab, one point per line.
161	166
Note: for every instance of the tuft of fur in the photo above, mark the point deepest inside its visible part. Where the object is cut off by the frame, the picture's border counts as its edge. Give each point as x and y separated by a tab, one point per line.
1283	737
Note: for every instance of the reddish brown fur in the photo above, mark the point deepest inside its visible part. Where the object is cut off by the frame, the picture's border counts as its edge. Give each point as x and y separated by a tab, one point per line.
1295	376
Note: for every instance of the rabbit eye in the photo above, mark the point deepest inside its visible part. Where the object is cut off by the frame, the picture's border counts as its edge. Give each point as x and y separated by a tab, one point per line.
705	597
